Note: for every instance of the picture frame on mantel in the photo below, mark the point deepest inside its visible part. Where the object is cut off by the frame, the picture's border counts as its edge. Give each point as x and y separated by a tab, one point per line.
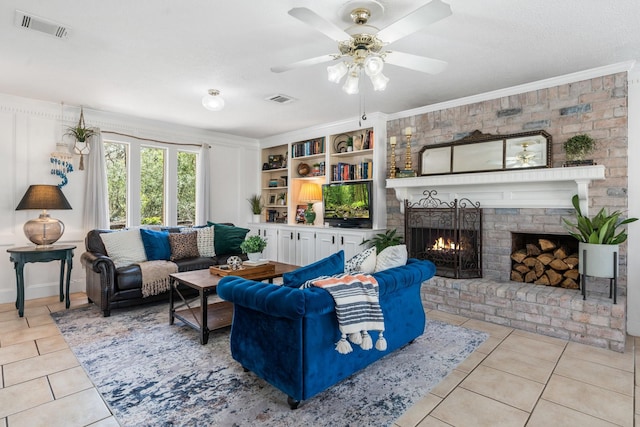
479	152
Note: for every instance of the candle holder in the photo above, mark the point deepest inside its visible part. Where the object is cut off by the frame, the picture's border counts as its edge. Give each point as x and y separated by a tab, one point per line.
392	171
408	171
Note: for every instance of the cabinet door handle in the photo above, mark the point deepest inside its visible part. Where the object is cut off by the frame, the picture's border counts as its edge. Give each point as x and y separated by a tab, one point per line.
298	236
292	235
333	240
342	240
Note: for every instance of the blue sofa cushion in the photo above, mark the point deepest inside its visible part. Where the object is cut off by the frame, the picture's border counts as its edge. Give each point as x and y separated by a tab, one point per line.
156	244
328	266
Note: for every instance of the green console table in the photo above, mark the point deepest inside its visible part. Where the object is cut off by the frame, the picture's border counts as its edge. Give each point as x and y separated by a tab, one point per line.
22	255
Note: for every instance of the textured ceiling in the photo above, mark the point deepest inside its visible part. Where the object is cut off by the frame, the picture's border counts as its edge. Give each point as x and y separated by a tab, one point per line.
157	58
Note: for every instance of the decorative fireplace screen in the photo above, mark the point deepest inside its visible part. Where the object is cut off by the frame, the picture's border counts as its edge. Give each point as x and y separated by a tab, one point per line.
447	233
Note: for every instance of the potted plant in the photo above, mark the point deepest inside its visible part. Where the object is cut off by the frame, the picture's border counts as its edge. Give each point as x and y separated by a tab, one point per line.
253	247
577	147
255	201
599	237
81	133
282	198
384	240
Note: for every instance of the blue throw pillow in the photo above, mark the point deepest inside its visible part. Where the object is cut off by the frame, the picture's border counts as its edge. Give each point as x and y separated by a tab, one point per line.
156	244
328	266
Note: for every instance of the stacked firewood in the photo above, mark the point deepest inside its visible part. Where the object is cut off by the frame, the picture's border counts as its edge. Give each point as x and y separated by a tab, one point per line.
545	264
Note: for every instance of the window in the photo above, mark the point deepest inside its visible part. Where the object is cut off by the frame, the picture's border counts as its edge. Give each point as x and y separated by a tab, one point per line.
154	185
152	178
116	162
186	188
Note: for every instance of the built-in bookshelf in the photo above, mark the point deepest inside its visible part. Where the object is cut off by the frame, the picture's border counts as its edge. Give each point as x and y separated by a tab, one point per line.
340	155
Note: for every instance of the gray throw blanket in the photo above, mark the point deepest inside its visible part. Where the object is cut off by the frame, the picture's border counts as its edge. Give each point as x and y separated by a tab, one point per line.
357	309
155	276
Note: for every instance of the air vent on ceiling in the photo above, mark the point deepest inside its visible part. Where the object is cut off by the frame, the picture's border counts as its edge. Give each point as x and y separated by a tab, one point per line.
32	22
280	99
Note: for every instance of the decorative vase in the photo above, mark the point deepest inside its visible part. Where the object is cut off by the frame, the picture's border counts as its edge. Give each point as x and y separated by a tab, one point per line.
257	218
599	262
254	256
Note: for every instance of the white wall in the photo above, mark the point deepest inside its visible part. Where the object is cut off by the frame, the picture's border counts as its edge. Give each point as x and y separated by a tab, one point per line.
29	130
633	243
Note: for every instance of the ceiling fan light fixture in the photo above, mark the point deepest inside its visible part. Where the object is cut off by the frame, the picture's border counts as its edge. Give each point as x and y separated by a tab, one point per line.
373	65
212	101
379	81
351	84
337	71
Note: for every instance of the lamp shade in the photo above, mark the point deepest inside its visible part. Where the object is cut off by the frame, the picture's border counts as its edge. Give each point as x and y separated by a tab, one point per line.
43	197
44	230
310	192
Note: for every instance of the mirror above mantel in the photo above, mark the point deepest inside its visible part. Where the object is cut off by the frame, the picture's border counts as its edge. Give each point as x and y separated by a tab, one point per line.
480	152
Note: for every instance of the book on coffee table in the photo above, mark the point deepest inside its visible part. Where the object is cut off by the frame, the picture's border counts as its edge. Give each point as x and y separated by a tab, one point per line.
250	263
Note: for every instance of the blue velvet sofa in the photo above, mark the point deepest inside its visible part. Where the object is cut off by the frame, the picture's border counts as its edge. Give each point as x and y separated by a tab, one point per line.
287	336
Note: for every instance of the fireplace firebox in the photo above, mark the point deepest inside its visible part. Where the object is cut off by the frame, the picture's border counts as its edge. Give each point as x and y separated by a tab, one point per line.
447	233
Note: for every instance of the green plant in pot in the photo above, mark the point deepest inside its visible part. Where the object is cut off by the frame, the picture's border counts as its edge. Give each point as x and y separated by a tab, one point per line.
599	236
384	240
577	147
257	206
253	247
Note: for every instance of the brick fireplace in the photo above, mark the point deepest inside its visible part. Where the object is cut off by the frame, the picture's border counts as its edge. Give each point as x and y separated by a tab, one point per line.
526	202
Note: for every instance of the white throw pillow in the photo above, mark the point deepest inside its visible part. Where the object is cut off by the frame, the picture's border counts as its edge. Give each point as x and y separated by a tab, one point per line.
364	262
124	247
393	256
205	241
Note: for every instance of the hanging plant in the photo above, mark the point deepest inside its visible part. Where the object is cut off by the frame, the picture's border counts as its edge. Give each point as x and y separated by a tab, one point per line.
81	133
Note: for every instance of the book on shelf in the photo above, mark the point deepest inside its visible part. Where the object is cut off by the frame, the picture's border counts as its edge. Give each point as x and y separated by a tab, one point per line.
349	172
308	148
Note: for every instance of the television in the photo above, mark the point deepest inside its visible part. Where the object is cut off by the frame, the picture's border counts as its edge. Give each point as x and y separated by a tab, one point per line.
348	204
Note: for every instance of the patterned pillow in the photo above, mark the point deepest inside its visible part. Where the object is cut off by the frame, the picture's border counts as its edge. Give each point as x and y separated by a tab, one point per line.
183	245
206	245
124	247
393	256
364	262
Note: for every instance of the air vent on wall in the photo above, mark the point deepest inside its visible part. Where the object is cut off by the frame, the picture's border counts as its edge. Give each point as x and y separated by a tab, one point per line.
32	22
280	99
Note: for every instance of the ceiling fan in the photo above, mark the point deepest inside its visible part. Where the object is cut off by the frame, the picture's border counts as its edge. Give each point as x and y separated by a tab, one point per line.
362	45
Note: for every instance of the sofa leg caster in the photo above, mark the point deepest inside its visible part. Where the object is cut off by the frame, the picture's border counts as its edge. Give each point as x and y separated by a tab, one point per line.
293	404
106	313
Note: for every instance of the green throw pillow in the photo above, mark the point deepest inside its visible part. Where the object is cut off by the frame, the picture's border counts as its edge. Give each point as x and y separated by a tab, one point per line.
227	238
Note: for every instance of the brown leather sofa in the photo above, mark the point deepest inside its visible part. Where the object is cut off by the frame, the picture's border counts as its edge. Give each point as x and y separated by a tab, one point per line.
109	287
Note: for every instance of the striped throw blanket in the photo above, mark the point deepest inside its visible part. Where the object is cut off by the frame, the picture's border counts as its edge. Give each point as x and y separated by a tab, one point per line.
357	309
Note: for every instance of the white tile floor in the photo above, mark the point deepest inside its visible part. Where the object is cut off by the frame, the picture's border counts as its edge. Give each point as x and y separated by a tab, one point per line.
515	378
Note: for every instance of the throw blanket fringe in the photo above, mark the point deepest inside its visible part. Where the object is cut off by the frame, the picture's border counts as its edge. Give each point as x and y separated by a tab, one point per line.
357	309
155	276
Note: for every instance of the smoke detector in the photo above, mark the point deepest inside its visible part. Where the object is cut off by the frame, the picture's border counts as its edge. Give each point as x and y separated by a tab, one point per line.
36	23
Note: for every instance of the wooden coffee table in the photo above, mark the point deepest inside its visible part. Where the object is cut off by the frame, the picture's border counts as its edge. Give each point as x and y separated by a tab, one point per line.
208	317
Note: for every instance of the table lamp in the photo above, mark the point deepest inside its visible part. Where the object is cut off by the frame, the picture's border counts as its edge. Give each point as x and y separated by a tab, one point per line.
310	193
44	230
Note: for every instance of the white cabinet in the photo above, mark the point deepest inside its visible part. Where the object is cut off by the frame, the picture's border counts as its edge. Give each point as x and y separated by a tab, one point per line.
270	233
286	245
305	246
329	242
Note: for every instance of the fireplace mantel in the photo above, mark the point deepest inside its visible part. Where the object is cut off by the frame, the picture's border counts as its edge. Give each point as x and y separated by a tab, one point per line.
521	188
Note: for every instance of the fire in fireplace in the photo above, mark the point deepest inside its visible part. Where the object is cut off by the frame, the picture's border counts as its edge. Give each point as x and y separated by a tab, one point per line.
447	233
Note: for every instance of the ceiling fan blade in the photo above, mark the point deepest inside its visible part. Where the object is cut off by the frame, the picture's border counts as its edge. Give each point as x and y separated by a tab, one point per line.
303	63
415	62
311	18
416	20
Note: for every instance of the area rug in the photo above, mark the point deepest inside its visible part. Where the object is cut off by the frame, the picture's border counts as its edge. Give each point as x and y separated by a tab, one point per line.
154	374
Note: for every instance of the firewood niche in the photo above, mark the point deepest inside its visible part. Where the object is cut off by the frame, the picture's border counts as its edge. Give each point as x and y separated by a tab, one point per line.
550	260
